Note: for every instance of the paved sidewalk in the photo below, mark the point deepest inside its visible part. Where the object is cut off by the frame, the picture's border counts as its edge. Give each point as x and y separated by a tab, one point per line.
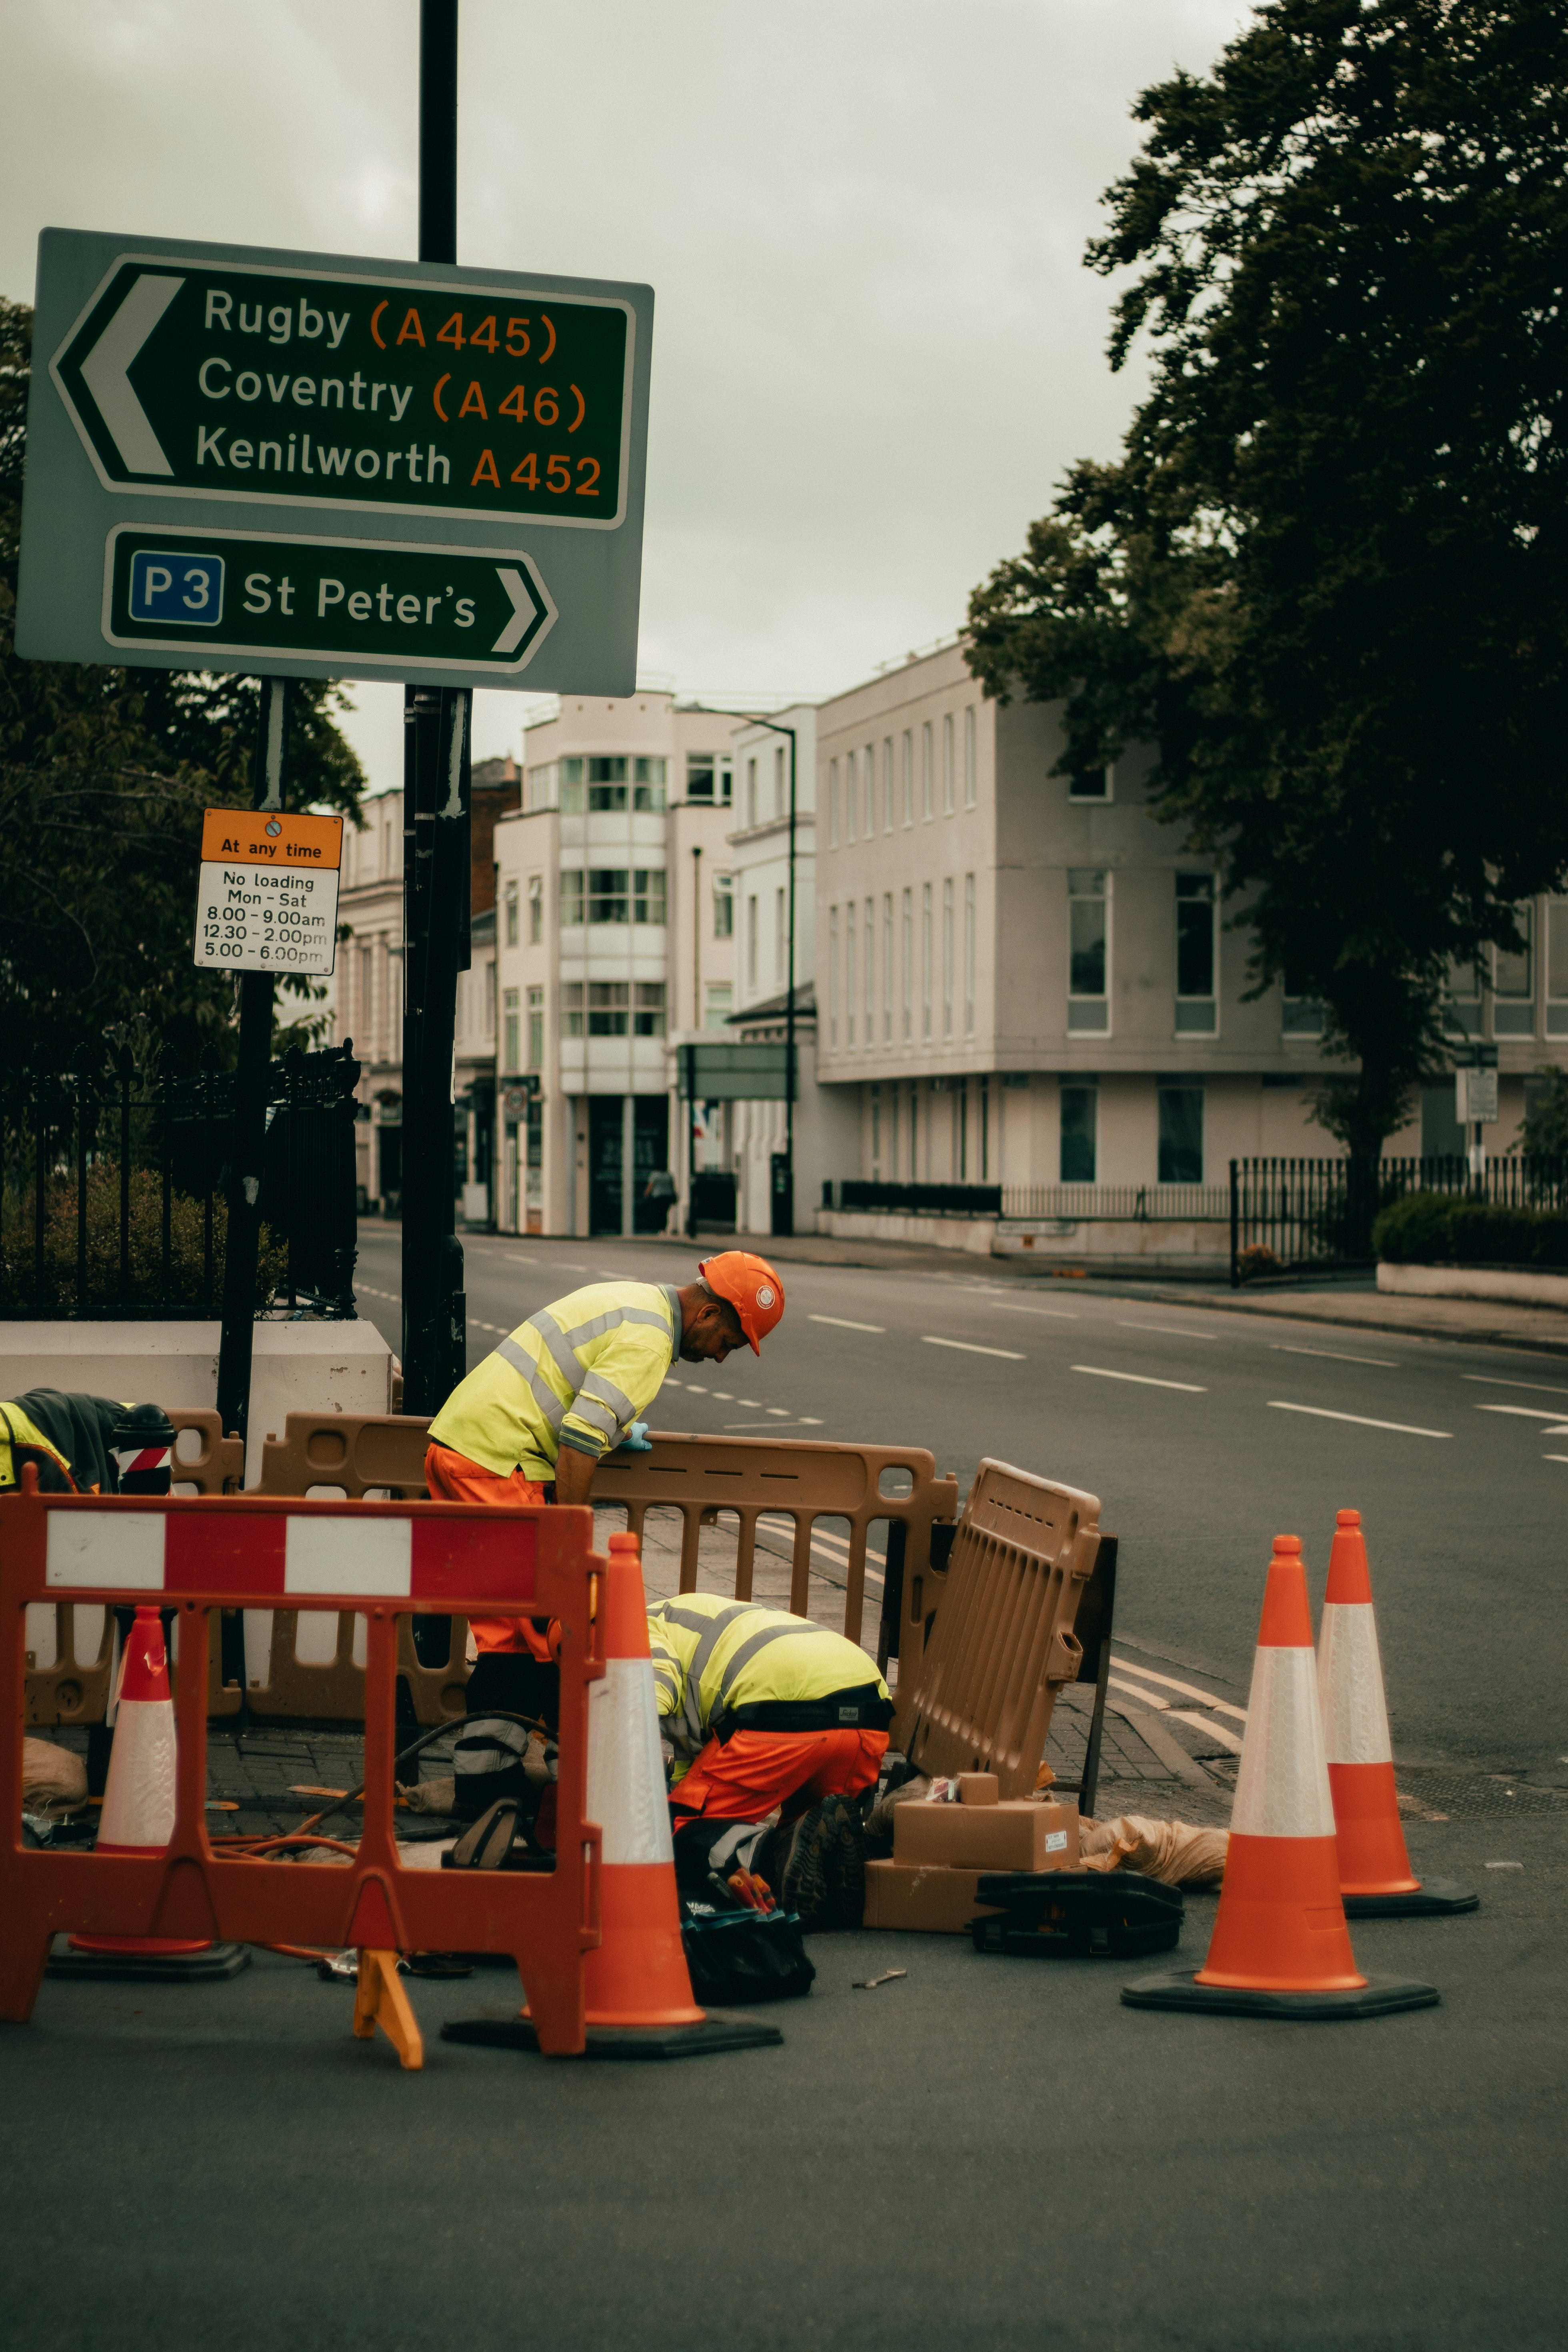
1482	1322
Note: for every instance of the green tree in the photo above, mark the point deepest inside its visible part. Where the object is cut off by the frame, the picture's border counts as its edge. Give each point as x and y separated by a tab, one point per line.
104	774
1328	576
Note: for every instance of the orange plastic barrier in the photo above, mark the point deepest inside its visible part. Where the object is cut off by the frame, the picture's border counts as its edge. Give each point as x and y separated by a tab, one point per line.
385	1560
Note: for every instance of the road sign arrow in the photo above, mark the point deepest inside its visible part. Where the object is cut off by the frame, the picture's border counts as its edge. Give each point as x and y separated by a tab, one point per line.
105	372
523	609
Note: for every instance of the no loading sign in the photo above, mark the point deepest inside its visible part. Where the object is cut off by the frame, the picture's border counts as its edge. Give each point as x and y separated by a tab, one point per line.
269	894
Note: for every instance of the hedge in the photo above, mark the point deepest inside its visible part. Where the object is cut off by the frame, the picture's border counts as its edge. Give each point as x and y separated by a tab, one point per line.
1443	1229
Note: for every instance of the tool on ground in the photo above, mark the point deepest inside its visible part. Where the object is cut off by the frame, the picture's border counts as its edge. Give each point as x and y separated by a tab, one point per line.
138	1819
870	1984
1281	1946
638	1989
1376	1881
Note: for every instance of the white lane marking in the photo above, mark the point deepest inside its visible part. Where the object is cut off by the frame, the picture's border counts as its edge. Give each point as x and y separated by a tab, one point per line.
1361	1419
1490	1380
514	1258
1554	1457
779	1413
1333	1356
753	1404
1188	1690
811	1421
1526	1412
1215	1730
842	1323
499	1328
725	1398
1193	1387
968	1347
694	1389
788	1417
1171	1330
1058	1314
391	1296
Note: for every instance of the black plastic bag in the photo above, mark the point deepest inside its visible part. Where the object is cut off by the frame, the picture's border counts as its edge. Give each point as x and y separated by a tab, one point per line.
737	1957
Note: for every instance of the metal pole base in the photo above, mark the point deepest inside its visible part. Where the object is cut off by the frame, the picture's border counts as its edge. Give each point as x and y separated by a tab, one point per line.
211	1964
1379	1997
1435	1898
718	2032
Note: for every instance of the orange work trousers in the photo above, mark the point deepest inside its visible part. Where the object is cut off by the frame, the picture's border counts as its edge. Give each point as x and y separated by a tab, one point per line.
754	1770
454	1478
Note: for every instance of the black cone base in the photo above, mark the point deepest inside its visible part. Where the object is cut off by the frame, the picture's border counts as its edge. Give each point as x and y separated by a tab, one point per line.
717	2033
1435	1898
216	1961
1379	1997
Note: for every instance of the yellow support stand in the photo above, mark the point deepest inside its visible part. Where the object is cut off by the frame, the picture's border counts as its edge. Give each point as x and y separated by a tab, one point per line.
380	1999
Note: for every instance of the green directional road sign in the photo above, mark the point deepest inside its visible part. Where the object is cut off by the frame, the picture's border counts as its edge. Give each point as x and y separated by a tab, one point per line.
445	421
363	606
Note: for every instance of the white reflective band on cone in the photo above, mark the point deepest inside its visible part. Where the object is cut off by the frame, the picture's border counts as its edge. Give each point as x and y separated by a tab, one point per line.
139	1803
1350	1679
626	1767
1282	1790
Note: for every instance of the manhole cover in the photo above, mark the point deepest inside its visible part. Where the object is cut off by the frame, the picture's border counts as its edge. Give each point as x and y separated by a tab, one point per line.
1477	1793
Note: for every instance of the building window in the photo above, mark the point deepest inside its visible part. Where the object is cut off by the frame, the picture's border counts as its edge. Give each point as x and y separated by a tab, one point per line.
887	970
509	1039
609	1002
969	955
649	1016
647	898
947	957
876	1130
985	1130
720	998
649	791
961	1131
508	911
914	1130
1462	1009
571	1008
1197	954
849	797
870	957
780	937
536	1028
849	973
1089	948
909	964
1080	1124
833	978
1181	1135
751	792
781	783
609	894
1513	981
971	778
947	766
1097	785
928	770
888	808
535	909
869	786
708	778
570	896
573	787
908	762
833	804
542	786
751	947
490	998
1557	966
925	961
723	906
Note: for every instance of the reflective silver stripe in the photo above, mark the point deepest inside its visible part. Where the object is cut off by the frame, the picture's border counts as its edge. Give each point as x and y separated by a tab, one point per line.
559	1345
709	1629
677	1320
597	1416
594	1384
596	1329
742	1658
544	1395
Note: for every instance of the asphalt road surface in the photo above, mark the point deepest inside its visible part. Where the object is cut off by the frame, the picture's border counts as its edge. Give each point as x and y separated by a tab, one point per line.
988	2153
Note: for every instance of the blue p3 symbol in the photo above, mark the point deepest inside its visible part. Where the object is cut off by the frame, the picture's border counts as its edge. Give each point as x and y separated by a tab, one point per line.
166	586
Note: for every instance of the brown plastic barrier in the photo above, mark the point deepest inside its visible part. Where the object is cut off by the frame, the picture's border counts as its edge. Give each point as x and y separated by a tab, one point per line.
212	1554
981	1697
74	1689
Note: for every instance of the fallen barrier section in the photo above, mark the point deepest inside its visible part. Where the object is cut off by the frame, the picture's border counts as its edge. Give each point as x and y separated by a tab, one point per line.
385	1562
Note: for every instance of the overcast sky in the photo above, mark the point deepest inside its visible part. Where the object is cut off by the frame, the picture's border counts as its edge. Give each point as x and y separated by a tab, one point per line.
875	348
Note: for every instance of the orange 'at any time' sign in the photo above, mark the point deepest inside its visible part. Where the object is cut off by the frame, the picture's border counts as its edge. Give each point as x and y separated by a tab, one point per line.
269	894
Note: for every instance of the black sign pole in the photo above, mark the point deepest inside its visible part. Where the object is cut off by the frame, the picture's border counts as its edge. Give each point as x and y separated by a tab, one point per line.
437	758
247	1153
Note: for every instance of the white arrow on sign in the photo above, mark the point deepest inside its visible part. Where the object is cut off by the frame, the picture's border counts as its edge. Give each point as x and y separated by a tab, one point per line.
104	374
523	609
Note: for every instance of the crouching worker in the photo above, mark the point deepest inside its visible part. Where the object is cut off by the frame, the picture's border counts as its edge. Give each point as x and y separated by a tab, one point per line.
767	1715
532	1423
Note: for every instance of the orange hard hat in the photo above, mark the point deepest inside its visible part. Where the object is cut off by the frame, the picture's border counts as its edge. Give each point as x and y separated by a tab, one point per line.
752	1288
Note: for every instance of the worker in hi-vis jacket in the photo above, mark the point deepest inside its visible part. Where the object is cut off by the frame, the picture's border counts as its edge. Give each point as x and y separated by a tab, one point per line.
531	1424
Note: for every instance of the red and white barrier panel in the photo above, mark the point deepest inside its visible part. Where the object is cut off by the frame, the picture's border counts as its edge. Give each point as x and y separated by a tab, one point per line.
472	1555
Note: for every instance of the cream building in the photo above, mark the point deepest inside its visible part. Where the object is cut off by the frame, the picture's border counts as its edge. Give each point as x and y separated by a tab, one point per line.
615	931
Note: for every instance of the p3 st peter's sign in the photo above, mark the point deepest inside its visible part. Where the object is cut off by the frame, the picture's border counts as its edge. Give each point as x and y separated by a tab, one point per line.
309	464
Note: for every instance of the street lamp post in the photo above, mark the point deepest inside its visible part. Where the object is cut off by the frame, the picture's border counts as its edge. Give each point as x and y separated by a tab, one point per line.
787	1226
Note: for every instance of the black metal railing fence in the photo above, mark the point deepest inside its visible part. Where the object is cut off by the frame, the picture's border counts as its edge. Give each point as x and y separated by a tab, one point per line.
1296	1216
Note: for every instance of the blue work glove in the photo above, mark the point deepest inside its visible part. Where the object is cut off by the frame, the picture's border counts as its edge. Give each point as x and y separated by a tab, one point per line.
635	1438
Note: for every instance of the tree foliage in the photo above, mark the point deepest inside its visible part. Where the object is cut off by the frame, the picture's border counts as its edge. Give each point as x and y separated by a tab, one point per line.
1328	576
104	774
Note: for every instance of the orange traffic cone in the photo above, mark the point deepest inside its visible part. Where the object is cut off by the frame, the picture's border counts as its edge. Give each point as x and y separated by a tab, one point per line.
138	1819
637	1985
1281	1946
1376	1881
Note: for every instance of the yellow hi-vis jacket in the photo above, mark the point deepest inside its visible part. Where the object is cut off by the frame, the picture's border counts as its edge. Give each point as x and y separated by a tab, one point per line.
722	1667
574	1374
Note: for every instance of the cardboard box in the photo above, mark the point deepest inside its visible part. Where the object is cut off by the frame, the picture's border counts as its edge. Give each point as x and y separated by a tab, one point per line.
1019	1836
924	1897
